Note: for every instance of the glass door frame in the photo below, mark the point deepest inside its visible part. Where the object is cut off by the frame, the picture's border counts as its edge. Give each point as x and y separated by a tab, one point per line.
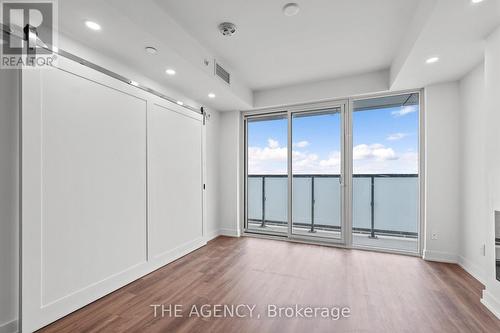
263	116
347	164
421	171
343	107
289	111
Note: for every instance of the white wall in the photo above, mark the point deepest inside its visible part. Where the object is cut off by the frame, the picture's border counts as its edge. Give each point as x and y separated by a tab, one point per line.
9	88
491	296
111	64
212	125
367	83
212	129
479	173
474	206
442	172
8	199
442	110
229	193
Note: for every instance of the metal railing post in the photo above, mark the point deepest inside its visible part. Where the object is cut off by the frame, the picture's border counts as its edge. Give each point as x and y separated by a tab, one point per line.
372	226
263	224
312	205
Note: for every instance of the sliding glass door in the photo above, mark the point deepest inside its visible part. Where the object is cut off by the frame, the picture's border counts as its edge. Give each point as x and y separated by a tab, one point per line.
345	172
385	192
294	174
267	174
317	169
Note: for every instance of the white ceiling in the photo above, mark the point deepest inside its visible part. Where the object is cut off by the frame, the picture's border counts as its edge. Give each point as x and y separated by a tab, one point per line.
453	30
328	38
128	26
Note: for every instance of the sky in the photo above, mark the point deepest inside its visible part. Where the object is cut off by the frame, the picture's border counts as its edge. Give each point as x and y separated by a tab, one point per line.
384	141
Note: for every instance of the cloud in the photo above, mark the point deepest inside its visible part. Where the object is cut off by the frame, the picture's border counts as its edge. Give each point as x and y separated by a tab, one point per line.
272	159
404	110
273	144
374	152
396	136
332	161
267	153
301	144
304	162
368	158
311	163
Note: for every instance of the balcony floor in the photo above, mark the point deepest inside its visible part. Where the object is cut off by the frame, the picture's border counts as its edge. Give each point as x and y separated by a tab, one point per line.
359	239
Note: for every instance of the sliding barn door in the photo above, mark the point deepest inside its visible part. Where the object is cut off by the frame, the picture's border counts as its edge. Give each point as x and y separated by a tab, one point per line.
175	175
105	199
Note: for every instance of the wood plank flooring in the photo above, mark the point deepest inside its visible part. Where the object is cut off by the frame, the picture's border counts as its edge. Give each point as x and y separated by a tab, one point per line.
385	292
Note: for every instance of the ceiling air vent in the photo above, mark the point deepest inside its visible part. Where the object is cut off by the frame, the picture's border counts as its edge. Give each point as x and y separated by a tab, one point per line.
222	73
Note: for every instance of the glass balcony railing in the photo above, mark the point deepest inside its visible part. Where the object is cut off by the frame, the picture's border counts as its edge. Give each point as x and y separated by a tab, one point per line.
383	204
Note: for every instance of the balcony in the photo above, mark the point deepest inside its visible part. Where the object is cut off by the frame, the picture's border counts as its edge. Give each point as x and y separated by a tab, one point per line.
385	208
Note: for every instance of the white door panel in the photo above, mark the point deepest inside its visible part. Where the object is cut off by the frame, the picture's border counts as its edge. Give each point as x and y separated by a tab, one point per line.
175	155
93	183
90	164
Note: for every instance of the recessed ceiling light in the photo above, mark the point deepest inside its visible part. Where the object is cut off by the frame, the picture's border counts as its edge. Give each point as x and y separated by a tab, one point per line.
170	71
477	1
211	95
432	60
180	103
93	25
291	9
151	50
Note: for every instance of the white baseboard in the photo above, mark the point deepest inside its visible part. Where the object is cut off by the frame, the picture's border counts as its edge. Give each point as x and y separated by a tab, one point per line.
221	232
83	297
10	327
488	300
212	234
229	232
472	269
440	256
492	303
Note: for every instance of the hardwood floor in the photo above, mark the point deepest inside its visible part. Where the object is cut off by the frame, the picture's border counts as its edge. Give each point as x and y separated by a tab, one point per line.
385	292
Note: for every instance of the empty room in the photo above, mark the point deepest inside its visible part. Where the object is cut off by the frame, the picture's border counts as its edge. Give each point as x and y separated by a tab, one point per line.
249	166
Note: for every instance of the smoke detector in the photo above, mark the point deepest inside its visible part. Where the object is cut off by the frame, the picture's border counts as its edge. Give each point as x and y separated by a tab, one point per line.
151	50
291	9
227	28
